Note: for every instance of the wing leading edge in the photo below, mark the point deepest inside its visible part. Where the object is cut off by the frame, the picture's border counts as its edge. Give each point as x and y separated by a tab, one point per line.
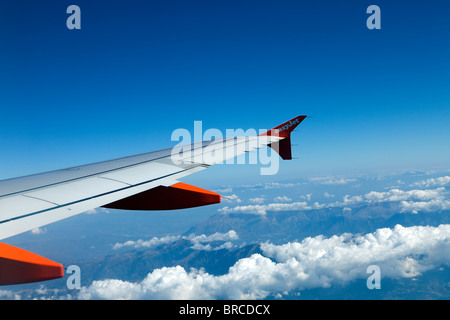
148	181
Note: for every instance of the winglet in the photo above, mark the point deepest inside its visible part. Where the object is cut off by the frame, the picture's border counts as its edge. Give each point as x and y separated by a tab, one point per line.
283	147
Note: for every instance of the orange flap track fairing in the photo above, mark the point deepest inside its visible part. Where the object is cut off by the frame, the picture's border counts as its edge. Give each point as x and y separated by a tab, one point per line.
21	266
178	196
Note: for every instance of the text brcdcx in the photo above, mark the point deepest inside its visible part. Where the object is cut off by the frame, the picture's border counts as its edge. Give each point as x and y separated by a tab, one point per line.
228	309
246	309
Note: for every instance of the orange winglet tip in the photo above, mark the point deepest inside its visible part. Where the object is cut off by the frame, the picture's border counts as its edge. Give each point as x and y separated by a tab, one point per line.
177	196
20	266
283	147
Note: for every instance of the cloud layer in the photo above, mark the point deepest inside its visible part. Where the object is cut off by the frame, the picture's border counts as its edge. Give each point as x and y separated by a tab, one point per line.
295	266
439	181
198	241
412	201
315	262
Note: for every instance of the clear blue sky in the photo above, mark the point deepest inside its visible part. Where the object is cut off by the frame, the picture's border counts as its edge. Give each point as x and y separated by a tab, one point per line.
137	70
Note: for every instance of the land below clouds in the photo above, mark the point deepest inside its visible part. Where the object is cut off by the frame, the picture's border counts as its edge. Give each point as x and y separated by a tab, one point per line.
133	264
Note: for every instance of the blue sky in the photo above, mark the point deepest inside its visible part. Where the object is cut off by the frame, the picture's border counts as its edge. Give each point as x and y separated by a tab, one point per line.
377	101
138	70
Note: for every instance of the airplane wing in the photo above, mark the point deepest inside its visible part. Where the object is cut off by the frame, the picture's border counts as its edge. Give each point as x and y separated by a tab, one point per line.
148	181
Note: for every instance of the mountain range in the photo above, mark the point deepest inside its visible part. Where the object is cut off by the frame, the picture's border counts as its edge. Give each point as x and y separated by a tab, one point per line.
133	264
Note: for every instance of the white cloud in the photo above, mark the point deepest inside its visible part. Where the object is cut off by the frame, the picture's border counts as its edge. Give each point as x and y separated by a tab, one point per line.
399	252
155	241
97	210
41	293
258	200
208	247
306	196
282	199
271	185
39	231
218	236
331	180
399	195
429	206
231	198
9	295
394	195
224	190
410	201
440	181
262	209
197	241
295	266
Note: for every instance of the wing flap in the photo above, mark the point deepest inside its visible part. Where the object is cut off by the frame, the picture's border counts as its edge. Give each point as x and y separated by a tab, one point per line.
141	173
13	206
82	189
